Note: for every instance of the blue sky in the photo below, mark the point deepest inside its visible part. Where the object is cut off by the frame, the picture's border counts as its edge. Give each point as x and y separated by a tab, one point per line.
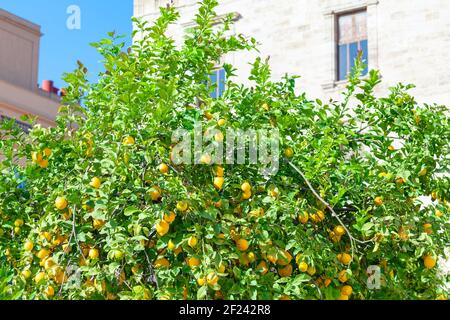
62	47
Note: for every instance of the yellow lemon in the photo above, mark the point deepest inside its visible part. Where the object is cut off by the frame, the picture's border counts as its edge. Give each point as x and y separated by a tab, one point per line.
378	201
28	246
95	183
169	218
162	263
212	279
246	187
429	262
242	244
162	228
182	206
163	168
128	141
192	241
218	182
61	203
93	254
346	290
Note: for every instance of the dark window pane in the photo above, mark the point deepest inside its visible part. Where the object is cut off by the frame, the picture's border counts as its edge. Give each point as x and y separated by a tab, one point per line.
365	56
353	52
342	62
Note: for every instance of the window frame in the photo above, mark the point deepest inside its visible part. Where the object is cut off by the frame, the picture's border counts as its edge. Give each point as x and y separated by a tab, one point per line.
337	15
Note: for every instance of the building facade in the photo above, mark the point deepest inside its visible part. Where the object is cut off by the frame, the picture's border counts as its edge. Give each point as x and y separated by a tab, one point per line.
408	41
19	58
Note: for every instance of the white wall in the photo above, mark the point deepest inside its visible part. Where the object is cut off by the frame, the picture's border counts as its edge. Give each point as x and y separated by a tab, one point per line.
409	40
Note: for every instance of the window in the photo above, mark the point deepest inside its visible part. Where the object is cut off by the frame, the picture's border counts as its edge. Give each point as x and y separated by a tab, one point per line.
217	79
352	38
24	126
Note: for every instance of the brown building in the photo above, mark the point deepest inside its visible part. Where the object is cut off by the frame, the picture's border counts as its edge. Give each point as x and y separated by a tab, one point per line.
19	59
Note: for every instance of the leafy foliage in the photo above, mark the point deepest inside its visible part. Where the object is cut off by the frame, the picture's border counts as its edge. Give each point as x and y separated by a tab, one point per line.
344	198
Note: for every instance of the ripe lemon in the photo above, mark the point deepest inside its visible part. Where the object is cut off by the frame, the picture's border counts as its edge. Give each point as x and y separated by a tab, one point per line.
428	228
219	137
93	254
246	187
39	277
162	228
342	276
171	245
43	163
162	263
343	297
192	241
48	152
400	181
43	253
26	274
177	250
98	224
434	195
182	206
303	217
95	183
378	201
285	271
201	281
218	182
311	270
262	268
429	262
265	106
208	115
205	159
128	141
221	122
274	192
272	258
169	218
345	258
438	213
221	268
284	258
155	193
219	171
49	263
346	290
320	215
163	168
212	279
36	157
193	262
289	153
251	257
391	148
28	246
339	230
61	203
247	195
18	223
242	244
49	292
303	266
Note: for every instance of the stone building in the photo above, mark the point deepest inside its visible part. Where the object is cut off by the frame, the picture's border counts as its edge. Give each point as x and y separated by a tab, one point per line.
407	40
19	58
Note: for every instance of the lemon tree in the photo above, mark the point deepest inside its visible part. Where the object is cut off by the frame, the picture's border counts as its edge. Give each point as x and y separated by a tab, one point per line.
95	208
